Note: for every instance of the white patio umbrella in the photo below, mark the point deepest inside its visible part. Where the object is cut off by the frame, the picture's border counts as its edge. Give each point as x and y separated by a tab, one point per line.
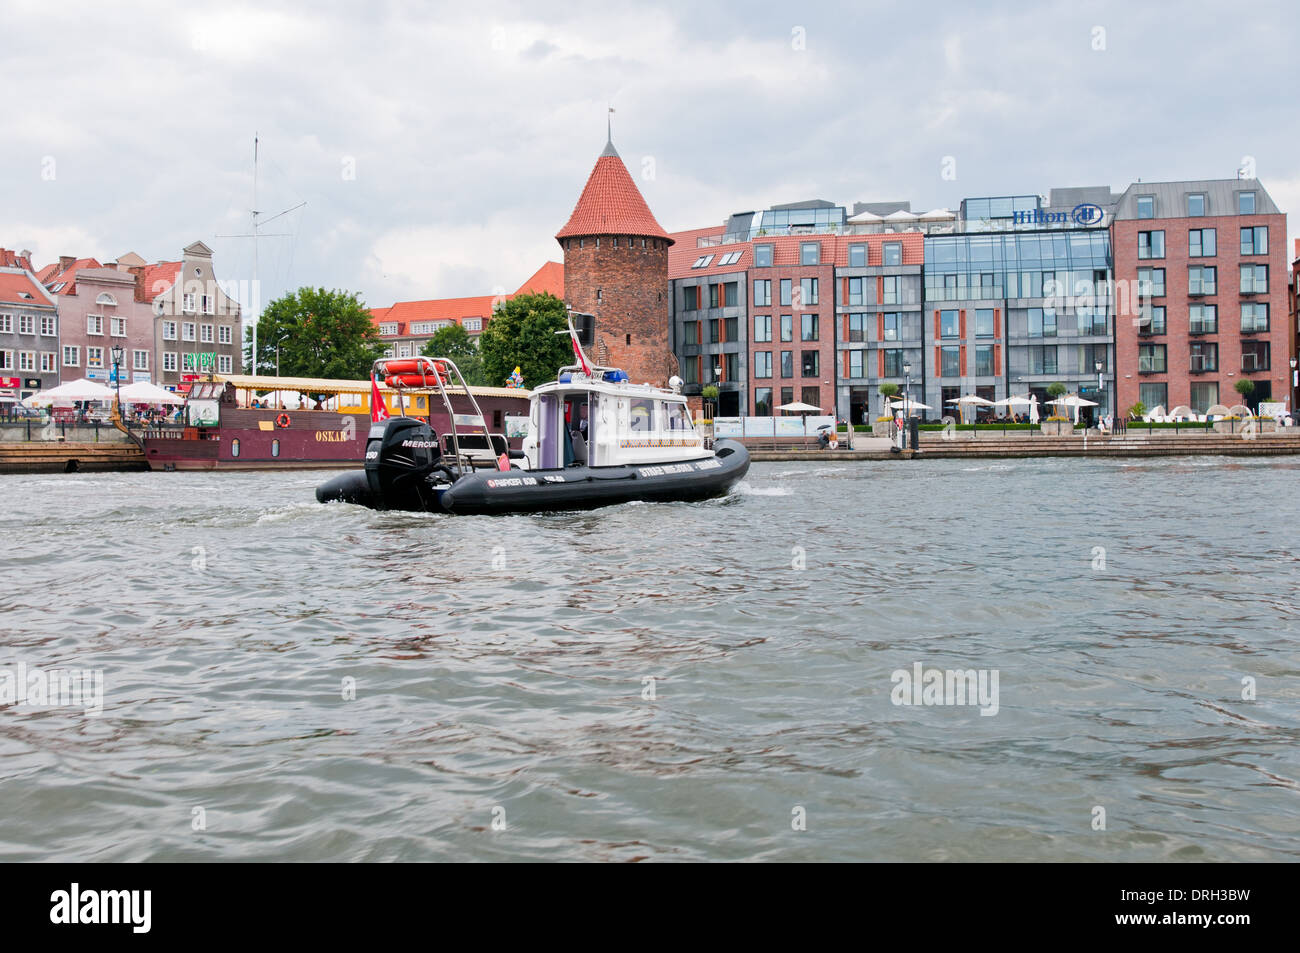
80	389
1073	401
970	400
1033	410
143	392
800	407
910	405
866	218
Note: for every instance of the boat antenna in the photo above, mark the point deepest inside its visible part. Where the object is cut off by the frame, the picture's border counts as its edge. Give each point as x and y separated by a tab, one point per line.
254	235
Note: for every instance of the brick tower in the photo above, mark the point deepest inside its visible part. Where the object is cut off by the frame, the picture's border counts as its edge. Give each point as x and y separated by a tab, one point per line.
616	267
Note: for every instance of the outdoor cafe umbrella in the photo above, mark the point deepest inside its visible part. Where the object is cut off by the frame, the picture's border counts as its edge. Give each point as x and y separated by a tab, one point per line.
800	407
1012	402
911	404
1074	401
143	392
80	389
970	400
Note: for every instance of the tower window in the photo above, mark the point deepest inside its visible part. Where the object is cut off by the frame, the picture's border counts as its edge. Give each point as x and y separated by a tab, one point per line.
629	241
629	339
643	243
598	295
598	242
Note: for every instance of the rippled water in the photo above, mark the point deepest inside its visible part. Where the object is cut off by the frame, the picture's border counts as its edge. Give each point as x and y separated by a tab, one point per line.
502	664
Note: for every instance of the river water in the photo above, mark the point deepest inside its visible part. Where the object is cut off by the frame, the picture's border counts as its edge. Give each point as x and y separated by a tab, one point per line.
289	681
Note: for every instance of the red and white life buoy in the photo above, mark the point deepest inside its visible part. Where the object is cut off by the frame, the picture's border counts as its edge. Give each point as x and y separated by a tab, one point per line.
411	380
283	421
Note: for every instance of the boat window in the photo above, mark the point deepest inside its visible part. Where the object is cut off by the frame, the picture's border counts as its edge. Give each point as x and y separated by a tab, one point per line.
642	417
234	447
678	418
275	448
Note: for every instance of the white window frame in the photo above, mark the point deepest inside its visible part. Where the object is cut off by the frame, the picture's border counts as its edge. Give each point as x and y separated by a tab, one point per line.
473	324
224	363
27	361
26	324
188	330
49	362
95	325
187	302
91	359
170	362
208	303
6	324
173	327
225	334
206	334
6	360
139	360
49	321
71	350
113	324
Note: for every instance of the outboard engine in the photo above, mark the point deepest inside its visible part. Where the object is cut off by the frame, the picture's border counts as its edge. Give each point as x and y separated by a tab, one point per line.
400	456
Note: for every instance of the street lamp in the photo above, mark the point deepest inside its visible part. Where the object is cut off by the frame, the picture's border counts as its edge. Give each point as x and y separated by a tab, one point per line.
118	353
717	377
1096	365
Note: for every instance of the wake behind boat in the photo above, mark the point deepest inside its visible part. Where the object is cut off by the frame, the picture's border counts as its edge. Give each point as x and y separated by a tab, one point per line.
594	439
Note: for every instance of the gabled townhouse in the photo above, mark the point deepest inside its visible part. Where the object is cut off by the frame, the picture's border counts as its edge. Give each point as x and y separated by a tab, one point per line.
100	312
29	330
197	325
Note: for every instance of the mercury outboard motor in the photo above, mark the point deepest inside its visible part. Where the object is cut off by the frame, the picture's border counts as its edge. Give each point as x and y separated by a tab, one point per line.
400	456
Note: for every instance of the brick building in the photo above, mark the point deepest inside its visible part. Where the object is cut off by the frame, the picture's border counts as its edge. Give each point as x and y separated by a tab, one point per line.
1208	260
616	267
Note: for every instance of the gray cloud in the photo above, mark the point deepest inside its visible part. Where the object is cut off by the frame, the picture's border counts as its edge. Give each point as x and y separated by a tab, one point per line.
440	147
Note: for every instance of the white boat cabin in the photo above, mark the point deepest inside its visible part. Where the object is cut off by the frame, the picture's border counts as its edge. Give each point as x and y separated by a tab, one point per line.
605	421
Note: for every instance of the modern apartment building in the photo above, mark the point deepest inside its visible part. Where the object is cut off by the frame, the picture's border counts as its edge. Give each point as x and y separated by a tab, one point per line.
1208	261
1009	295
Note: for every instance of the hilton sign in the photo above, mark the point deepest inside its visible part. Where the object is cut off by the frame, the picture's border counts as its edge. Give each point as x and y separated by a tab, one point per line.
1085	215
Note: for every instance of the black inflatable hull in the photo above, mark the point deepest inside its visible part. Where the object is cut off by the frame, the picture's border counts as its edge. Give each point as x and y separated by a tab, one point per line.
573	488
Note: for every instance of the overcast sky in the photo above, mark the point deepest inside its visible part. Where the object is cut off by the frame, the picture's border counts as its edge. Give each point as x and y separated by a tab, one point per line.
439	147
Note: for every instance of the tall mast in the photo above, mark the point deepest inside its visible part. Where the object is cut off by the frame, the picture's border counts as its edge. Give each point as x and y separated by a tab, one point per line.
257	291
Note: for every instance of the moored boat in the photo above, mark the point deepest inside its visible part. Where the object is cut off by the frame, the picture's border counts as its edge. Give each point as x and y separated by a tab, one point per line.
222	426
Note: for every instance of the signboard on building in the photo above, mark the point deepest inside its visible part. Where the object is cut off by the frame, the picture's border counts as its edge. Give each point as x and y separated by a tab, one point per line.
140	377
199	362
8	382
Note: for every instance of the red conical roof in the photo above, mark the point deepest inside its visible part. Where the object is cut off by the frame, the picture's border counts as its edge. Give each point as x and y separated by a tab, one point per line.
611	204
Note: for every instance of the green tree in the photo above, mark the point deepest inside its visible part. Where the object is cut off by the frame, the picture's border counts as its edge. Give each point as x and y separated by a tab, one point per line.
522	334
312	332
1245	387
454	342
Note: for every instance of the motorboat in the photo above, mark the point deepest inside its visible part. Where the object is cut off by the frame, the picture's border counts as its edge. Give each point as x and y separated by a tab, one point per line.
594	438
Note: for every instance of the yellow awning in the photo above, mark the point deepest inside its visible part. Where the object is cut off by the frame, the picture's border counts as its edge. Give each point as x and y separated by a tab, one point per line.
310	385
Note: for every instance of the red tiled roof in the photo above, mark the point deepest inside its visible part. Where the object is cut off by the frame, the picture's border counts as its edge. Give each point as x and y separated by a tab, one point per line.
549	278
66	275
11	259
404	313
158	277
611	204
13	286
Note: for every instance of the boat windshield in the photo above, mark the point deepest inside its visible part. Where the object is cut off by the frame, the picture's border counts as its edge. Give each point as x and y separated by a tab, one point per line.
677	417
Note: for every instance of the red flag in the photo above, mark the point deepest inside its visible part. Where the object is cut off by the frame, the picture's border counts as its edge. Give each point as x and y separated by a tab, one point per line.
577	350
503	462
377	409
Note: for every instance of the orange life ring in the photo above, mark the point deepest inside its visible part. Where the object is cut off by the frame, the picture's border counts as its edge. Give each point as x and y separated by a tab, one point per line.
413	365
412	380
282	421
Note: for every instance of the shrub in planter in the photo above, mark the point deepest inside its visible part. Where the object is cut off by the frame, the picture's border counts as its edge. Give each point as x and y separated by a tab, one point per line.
1057	426
883	427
